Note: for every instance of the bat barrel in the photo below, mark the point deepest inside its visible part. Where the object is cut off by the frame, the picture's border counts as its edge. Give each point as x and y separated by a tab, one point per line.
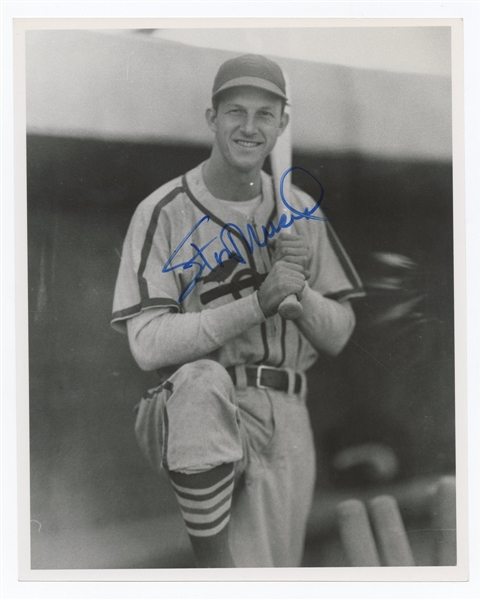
356	535
390	533
281	163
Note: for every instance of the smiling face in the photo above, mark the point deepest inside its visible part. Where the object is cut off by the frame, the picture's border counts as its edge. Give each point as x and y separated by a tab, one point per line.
246	124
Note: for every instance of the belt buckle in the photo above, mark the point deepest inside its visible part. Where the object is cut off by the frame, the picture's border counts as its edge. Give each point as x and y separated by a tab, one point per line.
303	390
292	377
291	381
259	375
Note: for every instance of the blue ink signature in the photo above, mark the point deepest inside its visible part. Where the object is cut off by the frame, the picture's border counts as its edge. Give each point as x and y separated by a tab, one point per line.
250	241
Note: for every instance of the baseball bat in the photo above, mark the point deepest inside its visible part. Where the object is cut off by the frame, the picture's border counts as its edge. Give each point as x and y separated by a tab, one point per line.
390	533
444	522
281	160
356	535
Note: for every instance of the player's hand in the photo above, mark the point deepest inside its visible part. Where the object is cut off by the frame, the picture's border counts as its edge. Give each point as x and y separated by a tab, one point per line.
283	279
292	248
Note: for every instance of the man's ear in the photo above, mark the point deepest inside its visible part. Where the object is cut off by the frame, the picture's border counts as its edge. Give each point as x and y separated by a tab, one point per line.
211	118
284	123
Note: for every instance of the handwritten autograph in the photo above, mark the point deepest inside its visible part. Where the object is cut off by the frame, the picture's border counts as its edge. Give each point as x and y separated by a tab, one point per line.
229	247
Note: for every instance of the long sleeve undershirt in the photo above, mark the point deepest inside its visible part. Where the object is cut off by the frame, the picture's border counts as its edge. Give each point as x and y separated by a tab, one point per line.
159	338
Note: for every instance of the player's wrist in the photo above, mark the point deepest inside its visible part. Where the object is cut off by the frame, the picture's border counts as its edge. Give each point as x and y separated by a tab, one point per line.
260	307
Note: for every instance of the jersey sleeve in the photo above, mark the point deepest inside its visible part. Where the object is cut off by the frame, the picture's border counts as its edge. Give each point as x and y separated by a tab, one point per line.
332	272
141	283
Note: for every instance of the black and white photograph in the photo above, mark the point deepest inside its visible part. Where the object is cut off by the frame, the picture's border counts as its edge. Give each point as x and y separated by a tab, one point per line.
241	300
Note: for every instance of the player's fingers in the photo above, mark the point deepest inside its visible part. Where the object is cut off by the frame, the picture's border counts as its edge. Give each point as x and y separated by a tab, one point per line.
297	249
292	240
294	249
284	265
294	286
287	236
291	281
290	253
290	285
292	277
300	260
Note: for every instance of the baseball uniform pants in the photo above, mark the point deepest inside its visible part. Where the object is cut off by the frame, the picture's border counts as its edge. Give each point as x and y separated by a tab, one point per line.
198	420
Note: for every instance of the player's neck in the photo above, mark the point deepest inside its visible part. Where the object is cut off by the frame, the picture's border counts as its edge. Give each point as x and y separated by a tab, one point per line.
225	182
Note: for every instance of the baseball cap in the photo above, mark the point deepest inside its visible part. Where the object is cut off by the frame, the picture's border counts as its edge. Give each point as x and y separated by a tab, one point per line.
252	70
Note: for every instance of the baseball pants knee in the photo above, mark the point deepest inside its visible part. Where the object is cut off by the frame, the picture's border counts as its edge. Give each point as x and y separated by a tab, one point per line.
198	420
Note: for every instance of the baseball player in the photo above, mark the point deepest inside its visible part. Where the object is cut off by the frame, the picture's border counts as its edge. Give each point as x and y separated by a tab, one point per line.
205	266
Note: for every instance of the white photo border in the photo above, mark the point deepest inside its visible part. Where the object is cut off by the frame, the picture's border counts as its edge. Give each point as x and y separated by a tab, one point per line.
465	225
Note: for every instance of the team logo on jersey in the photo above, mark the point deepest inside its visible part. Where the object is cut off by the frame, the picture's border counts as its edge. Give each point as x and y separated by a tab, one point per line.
222	272
242	279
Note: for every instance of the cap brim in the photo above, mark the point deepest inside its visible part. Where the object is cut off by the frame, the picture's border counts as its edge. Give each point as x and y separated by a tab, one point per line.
256	82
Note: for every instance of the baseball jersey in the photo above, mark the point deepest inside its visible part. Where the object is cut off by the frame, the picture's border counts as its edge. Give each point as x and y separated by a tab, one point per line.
187	252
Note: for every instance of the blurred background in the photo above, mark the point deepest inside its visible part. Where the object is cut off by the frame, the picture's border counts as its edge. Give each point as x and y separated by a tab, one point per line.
112	115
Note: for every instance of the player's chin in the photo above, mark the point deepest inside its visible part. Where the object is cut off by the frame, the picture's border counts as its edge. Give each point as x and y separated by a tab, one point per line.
248	163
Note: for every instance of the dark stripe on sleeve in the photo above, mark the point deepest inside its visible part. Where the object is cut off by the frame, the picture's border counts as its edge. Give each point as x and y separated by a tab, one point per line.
342	257
149	303
358	292
149	237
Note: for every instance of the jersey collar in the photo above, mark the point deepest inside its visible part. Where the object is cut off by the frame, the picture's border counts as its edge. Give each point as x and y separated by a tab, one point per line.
222	212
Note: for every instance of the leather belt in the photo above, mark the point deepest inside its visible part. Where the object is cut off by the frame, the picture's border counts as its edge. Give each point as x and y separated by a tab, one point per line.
263	376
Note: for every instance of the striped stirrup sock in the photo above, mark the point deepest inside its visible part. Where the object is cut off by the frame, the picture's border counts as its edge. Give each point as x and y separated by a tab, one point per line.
205	499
